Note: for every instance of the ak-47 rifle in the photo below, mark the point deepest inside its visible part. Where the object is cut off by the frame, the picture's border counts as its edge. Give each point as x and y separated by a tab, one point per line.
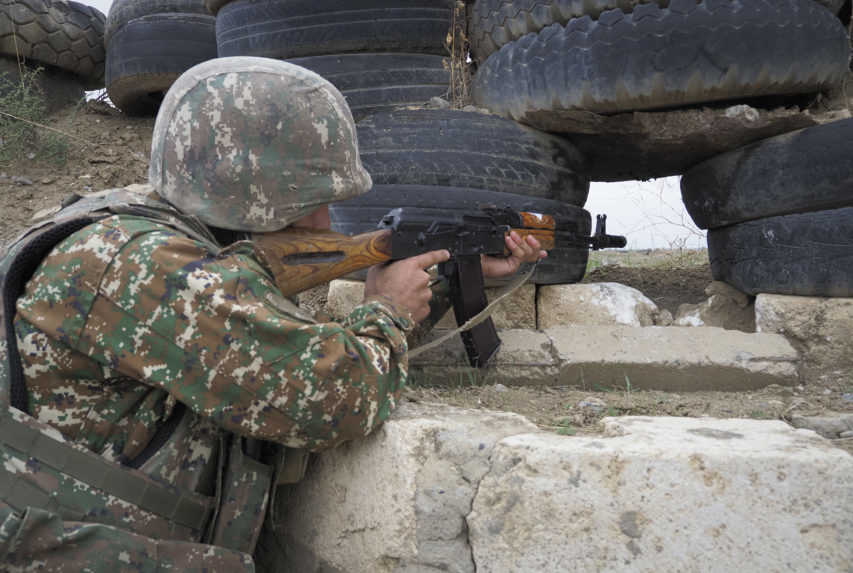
302	258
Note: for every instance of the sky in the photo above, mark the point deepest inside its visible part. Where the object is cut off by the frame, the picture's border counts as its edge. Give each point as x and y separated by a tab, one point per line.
649	213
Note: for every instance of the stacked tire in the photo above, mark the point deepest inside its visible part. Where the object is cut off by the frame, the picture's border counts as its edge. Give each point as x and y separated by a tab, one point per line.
65	39
610	56
388	59
378	53
780	212
149	44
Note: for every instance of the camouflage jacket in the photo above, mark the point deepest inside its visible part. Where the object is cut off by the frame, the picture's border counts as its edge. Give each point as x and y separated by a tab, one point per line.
131	316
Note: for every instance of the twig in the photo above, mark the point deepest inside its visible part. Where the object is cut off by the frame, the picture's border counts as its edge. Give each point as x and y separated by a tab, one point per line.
43	126
18	57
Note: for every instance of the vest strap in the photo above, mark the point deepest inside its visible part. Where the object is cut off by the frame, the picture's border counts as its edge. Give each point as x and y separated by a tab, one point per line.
185	509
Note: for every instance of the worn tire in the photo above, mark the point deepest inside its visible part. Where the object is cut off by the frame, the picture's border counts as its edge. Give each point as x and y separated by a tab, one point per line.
654	58
808	254
806	170
123	11
148	54
374	82
59	88
454	148
564	264
67	35
494	23
296	28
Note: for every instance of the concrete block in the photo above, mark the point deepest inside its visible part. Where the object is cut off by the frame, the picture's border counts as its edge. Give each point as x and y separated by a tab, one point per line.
820	328
518	310
672	358
595	304
726	307
666	495
525	357
344	296
396	501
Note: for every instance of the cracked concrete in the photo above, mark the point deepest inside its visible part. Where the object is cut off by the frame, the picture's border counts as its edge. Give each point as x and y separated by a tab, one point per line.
439	488
399	500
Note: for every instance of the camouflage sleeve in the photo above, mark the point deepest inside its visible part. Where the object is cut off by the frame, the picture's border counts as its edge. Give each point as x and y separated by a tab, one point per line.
41	540
214	332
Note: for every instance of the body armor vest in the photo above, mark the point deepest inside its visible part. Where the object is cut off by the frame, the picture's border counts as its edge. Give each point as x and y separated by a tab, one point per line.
39	468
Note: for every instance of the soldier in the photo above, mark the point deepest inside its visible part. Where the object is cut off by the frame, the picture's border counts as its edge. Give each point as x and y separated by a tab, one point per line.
147	348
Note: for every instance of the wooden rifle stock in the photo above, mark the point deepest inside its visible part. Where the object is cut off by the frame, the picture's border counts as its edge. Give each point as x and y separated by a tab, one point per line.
304	258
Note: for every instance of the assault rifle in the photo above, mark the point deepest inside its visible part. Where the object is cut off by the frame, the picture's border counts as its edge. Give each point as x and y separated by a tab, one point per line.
302	258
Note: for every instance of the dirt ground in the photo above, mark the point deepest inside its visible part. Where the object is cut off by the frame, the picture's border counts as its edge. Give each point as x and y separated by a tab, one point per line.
107	149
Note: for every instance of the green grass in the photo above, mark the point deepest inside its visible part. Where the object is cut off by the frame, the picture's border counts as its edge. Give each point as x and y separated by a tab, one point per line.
22	109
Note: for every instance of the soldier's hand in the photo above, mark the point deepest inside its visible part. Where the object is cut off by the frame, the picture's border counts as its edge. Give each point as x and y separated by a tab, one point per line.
405	282
525	250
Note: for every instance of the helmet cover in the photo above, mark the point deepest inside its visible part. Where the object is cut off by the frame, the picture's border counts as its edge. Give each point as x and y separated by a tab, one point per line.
254	144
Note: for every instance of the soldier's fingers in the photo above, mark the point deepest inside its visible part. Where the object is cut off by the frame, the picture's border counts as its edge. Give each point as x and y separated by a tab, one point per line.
426	260
533	242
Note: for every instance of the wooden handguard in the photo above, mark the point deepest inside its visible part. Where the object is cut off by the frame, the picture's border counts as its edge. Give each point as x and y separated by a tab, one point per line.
304	258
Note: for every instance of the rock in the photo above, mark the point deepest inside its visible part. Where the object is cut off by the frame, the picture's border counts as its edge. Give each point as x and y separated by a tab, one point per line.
664	318
594	304
847	397
344	295
672	358
820	328
397	500
847	434
663	495
743	112
19	180
438	103
499	388
726	307
829	426
518	310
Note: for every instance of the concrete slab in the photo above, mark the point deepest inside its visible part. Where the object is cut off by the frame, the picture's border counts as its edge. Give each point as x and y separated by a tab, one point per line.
672	358
666	495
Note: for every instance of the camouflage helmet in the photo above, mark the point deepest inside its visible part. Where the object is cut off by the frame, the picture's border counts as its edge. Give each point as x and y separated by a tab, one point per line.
254	144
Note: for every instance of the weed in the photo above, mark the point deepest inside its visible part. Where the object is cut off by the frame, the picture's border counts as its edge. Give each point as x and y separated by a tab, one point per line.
565	427
23	111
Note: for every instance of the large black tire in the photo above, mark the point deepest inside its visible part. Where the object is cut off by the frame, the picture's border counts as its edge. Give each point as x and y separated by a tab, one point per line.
148	54
806	170
123	11
454	148
58	87
494	23
809	254
565	263
656	57
67	35
374	82
296	28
